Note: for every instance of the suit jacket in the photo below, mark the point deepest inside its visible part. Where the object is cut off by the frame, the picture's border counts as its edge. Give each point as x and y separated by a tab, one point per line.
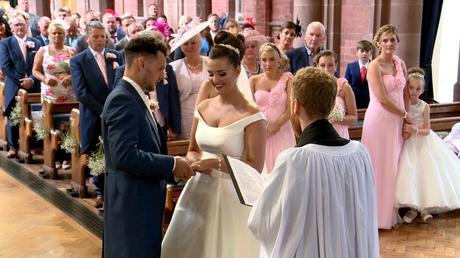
361	89
168	98
42	42
136	176
68	41
298	58
91	89
15	68
33	24
121	44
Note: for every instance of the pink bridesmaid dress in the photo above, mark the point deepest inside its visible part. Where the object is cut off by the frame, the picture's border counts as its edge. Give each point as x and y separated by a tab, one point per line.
342	130
382	134
273	104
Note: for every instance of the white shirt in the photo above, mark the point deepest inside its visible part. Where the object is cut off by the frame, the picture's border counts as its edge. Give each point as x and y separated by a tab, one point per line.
361	64
94	52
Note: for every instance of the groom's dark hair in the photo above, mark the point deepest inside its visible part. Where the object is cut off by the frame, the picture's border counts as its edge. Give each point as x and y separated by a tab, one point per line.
145	43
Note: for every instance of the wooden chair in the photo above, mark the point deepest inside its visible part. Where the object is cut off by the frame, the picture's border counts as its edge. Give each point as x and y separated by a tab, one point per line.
29	102
79	162
3	119
56	120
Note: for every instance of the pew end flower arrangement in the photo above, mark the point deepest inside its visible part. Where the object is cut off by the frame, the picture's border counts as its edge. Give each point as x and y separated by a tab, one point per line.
15	115
96	161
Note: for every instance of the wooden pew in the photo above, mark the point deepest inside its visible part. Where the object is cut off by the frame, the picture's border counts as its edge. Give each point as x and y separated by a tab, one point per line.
3	119
79	162
29	102
437	125
437	110
178	148
54	114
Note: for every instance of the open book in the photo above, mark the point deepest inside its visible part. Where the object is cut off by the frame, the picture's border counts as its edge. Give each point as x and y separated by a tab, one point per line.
248	183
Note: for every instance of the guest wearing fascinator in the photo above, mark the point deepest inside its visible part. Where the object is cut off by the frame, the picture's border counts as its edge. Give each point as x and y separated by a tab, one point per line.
253	40
191	71
288	32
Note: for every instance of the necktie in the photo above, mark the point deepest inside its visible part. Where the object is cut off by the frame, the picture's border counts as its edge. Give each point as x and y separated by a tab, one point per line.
23	46
101	63
363	72
114	39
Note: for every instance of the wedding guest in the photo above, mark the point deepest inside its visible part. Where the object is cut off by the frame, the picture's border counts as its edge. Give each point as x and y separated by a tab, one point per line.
288	32
214	24
271	92
93	73
300	57
344	113
52	69
356	73
72	33
43	24
111	26
320	201
232	26
253	40
17	55
209	220
5	32
137	163
32	19
191	71
382	127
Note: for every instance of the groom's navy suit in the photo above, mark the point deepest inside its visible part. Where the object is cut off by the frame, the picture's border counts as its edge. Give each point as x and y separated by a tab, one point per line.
137	170
15	68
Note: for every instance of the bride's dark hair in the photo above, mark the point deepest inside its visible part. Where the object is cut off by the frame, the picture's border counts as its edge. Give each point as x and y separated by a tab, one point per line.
228	45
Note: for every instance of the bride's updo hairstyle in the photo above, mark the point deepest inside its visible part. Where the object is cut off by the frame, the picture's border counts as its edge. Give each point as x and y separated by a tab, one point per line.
229	46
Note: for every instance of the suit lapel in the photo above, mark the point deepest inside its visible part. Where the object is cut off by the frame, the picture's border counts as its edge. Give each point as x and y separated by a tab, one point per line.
153	123
92	63
16	48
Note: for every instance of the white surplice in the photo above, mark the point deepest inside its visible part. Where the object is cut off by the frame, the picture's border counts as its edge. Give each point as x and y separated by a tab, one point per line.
320	202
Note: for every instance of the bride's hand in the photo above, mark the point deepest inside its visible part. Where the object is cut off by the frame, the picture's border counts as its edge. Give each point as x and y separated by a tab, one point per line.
205	166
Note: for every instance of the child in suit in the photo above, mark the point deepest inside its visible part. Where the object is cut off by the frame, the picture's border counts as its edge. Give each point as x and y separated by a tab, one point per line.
356	73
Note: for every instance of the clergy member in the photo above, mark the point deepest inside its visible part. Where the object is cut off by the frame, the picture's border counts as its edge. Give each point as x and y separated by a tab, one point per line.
321	199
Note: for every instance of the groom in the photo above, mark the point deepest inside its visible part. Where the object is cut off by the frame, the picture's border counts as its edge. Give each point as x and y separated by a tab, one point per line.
137	167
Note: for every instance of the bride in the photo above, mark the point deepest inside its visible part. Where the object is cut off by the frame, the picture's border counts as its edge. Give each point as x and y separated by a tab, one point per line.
209	220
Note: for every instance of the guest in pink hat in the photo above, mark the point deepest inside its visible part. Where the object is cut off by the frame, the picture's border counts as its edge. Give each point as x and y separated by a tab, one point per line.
252	41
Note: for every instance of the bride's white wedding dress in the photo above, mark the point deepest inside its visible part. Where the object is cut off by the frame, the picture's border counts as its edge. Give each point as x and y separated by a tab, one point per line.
209	221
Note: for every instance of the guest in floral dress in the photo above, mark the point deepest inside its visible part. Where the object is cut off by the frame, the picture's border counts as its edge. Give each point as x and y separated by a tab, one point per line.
51	67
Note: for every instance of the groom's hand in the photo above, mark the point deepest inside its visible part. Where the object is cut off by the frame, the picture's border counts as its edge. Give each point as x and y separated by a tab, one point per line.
183	171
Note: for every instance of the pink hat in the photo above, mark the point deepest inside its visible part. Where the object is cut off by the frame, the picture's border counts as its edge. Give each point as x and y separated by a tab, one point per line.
253	35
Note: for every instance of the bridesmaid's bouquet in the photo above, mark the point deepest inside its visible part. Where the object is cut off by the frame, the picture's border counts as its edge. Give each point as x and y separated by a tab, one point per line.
337	114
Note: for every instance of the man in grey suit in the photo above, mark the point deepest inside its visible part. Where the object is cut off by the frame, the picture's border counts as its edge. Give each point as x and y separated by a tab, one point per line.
137	164
133	29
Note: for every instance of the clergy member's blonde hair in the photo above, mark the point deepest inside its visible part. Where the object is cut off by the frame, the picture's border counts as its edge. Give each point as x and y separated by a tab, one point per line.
315	90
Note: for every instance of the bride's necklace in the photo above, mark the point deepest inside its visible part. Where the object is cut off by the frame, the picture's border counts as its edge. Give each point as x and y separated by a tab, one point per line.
193	67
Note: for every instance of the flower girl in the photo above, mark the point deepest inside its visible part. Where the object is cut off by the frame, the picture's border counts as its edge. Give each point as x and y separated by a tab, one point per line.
428	172
344	112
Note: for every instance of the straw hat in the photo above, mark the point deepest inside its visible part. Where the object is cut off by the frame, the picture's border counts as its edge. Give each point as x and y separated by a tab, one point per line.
253	35
187	32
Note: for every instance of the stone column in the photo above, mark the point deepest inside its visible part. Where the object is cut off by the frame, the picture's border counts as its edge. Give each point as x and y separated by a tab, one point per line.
307	11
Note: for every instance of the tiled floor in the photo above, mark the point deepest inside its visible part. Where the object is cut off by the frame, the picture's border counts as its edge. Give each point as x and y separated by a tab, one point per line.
31	227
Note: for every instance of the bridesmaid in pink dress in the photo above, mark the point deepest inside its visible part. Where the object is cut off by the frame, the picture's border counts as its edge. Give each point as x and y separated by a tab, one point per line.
382	128
345	100
270	90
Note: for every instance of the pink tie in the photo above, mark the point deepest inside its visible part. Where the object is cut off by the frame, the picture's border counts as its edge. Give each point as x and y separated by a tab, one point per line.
23	46
101	62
